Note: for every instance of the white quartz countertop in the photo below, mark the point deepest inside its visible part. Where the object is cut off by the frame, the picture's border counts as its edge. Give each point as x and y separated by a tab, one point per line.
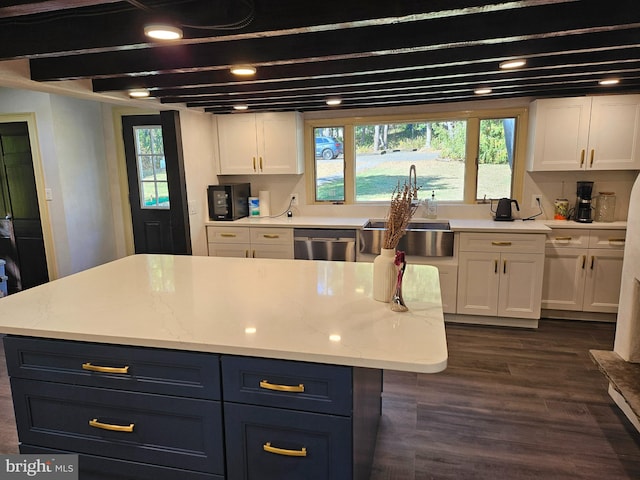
298	310
481	225
296	221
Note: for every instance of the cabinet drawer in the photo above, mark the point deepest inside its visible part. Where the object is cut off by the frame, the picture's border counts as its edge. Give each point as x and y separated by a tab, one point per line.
272	444
171	372
293	385
501	242
283	236
168	431
225	234
613	239
567	238
92	467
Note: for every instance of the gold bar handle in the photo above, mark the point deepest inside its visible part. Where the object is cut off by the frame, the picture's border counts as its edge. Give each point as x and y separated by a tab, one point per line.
260	163
101	369
254	164
283	451
593	259
113	428
562	239
584	261
504	267
282	388
500	244
270	235
495	266
616	240
592	155
228	235
582	158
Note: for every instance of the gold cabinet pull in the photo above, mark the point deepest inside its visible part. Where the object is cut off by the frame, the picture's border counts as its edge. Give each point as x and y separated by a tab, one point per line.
582	158
500	244
260	163
246	254
101	369
254	164
504	267
563	239
584	261
616	240
495	266
270	235
228	235
283	451
592	155
593	259
282	388
108	426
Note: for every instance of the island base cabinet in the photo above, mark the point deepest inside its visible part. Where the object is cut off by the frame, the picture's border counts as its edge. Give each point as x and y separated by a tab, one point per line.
99	468
266	443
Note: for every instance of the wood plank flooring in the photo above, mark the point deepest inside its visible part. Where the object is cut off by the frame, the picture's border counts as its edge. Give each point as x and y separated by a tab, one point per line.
513	404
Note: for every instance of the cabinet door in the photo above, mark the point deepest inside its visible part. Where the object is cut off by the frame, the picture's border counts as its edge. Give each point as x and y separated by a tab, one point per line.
614	136
238	250
279	143
602	285
564	276
559	132
520	289
237	144
478	283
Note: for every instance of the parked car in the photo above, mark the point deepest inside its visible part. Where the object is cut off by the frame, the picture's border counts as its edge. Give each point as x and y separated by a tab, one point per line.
328	148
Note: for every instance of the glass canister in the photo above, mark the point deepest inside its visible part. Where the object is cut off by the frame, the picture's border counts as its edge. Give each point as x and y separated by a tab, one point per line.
605	207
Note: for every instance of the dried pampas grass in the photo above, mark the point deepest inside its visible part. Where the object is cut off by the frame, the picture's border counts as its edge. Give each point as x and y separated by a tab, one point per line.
404	203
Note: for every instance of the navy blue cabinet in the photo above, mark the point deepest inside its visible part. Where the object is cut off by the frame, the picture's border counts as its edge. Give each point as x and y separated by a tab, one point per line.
297	420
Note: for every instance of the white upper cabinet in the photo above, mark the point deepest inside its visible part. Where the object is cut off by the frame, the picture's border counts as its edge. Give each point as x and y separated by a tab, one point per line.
261	143
584	133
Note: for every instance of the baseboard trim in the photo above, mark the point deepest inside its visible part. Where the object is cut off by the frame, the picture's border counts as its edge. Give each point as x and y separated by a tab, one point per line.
582	316
491	320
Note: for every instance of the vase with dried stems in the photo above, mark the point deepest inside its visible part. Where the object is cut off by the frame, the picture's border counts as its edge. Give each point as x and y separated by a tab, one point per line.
404	202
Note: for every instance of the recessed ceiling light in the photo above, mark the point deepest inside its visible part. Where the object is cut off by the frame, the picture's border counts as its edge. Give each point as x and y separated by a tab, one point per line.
609	81
334	101
139	93
162	32
515	63
482	91
243	70
241	106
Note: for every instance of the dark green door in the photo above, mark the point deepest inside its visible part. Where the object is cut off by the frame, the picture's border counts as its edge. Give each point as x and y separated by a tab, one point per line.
21	240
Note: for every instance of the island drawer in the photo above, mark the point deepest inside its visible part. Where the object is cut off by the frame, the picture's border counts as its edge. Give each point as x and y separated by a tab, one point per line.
286	384
170	372
92	467
273	444
160	430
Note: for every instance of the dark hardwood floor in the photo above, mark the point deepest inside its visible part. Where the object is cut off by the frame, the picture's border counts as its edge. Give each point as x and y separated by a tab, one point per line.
513	404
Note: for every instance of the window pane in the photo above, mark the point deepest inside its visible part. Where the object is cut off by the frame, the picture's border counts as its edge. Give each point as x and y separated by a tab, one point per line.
329	163
384	154
152	170
495	157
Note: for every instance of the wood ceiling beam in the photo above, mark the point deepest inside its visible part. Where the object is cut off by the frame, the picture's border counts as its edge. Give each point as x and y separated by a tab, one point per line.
44	6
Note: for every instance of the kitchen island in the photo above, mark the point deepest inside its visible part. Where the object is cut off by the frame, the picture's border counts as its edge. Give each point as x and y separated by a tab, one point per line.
228	352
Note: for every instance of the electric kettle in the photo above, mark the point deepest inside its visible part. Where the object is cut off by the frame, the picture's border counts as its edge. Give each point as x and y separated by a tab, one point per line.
503	211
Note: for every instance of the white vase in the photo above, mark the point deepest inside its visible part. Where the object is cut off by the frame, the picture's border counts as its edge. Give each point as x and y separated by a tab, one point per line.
385	275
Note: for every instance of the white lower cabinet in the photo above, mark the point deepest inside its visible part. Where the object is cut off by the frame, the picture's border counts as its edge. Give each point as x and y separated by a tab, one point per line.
583	270
247	242
500	275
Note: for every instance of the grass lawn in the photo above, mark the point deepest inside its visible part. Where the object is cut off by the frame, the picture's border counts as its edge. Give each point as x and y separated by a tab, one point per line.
376	179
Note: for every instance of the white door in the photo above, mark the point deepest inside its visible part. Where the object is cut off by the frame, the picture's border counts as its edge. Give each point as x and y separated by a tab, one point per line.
614	137
520	285
478	283
561	134
237	144
564	276
602	286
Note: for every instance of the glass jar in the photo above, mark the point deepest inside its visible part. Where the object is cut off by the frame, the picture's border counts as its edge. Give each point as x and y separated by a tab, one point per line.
605	207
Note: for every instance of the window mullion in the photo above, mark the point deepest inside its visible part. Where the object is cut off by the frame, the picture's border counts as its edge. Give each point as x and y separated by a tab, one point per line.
349	165
472	151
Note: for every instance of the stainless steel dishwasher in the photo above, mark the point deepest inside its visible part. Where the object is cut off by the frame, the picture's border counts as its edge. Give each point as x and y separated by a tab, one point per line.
324	244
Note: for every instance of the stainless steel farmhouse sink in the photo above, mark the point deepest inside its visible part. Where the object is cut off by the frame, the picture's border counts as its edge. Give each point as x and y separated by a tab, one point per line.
424	238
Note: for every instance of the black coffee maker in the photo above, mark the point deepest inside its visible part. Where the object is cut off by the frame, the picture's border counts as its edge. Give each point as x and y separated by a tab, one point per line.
582	211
